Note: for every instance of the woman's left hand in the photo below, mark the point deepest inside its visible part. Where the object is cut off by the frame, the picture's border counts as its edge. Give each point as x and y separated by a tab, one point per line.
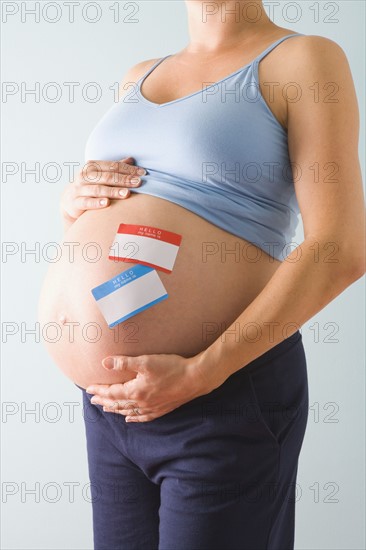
163	382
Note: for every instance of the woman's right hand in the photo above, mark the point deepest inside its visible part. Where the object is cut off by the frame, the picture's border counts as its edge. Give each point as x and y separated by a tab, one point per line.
97	184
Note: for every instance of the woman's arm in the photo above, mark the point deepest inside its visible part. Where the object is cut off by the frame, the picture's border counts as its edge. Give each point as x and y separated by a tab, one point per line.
323	144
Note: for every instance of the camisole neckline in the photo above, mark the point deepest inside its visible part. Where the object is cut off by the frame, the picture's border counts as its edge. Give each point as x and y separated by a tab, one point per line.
166	104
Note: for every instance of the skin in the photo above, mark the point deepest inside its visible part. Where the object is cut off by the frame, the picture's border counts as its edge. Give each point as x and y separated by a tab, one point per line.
114	181
319	132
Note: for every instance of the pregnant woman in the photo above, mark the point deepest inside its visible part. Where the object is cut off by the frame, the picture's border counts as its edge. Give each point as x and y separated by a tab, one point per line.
196	407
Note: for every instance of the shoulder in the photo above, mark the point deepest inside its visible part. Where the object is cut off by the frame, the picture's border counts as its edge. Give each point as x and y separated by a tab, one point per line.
134	73
313	56
316	70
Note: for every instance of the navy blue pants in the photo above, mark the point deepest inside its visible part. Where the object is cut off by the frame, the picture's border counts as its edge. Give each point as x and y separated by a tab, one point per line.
218	472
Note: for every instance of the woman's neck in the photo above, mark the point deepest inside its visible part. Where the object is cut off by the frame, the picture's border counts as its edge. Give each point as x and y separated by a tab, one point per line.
221	25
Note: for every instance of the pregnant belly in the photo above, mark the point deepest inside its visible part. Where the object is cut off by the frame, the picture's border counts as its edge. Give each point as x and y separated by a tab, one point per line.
207	290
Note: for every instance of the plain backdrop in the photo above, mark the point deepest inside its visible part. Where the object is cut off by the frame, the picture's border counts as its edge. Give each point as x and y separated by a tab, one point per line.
45	493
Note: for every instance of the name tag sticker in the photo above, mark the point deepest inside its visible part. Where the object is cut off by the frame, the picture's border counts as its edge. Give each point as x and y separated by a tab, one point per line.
128	293
145	245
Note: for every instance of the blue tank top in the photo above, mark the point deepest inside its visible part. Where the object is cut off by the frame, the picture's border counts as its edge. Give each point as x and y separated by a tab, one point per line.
218	152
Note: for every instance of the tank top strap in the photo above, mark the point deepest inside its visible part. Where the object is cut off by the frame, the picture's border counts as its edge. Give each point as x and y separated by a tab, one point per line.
142	78
273	45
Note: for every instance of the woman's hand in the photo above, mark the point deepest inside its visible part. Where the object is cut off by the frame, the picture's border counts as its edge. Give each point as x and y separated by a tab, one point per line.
96	184
163	383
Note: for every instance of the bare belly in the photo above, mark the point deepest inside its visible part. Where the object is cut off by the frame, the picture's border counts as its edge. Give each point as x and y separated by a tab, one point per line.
208	289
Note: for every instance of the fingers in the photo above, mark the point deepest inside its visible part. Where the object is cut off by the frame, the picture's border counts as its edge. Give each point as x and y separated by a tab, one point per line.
94	168
101	181
115	404
103	191
98	183
89	203
119	362
106	391
116	178
109	178
137	414
93	197
143	417
119	407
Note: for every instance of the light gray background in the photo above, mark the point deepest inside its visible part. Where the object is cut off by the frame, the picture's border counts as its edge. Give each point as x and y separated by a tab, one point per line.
48	448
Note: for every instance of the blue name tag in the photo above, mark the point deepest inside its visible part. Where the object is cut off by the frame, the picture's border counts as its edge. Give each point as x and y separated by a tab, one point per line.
130	292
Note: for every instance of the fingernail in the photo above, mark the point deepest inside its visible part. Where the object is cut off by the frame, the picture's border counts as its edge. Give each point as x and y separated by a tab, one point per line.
141	172
89	389
102	202
135	180
123	192
108	363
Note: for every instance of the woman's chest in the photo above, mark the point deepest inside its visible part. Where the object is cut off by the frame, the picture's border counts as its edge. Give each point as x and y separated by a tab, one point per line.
214	129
